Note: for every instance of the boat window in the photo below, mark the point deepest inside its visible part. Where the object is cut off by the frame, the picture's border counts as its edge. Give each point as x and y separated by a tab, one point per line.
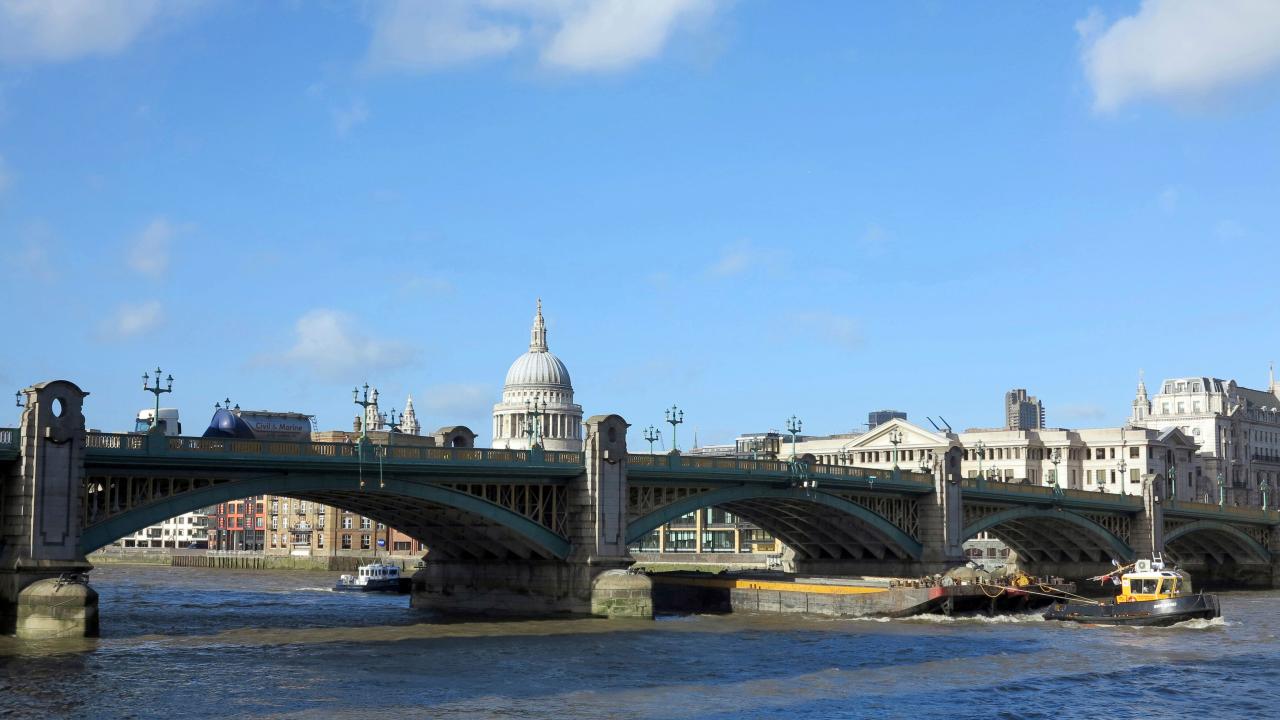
1169	586
1142	586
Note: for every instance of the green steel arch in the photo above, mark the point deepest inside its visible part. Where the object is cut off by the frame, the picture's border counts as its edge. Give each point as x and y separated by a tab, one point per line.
103	533
1117	546
1214	526
641	526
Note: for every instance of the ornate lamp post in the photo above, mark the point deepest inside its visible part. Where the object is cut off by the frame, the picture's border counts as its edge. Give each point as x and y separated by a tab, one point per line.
364	404
157	391
794	425
980	449
535	411
1222	490
1121	468
17	398
1173	481
1265	489
675	416
1055	458
895	438
652	434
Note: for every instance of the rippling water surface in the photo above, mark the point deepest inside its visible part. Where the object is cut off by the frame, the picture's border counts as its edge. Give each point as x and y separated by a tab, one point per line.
188	642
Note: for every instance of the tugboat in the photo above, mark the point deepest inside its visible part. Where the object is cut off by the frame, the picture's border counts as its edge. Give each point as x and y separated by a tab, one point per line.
1149	595
374	577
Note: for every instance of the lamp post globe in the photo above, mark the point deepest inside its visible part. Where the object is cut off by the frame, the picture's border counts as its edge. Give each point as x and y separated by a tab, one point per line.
794	425
675	417
157	390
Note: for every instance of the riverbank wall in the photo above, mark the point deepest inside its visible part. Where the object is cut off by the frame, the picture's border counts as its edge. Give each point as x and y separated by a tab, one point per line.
246	561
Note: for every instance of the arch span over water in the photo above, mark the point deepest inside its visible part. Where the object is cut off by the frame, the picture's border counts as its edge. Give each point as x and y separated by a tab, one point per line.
814	523
448	521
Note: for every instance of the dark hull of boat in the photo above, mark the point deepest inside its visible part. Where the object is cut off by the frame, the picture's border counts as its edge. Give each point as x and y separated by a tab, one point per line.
1147	612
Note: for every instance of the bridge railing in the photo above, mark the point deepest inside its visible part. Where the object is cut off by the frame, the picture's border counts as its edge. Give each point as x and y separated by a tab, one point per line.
1257	514
134	444
114	441
684	462
1047	491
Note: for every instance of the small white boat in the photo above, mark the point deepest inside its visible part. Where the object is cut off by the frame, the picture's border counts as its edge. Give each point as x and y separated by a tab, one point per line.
374	577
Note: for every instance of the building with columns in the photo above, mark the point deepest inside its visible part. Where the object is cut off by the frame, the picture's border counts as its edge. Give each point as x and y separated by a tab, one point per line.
1111	460
1236	429
538	395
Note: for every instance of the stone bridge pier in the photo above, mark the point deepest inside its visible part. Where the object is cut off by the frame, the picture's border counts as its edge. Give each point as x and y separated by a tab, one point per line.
591	579
43	590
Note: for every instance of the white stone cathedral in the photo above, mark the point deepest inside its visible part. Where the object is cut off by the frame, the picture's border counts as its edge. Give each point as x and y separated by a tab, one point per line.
538	376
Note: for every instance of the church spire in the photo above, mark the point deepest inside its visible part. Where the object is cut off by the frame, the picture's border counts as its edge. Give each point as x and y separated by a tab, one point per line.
538	336
409	419
1271	380
1141	405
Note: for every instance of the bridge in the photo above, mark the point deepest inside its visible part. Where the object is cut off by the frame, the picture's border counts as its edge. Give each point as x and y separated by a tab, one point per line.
533	531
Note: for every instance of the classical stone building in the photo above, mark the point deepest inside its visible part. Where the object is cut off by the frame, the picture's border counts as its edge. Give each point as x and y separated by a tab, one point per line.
1103	459
1236	429
538	395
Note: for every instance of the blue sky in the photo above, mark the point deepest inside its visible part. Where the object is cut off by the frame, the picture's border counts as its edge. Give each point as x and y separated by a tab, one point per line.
749	208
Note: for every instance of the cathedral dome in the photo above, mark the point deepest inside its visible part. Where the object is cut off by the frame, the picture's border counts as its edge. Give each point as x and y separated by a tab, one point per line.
537	408
541	369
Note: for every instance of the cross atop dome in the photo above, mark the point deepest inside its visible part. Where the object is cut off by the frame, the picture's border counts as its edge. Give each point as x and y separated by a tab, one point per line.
538	336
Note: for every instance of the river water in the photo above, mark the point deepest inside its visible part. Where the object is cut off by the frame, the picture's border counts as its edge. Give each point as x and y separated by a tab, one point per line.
193	642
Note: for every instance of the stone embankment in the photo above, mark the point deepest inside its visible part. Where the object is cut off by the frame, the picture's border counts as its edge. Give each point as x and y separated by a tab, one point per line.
242	561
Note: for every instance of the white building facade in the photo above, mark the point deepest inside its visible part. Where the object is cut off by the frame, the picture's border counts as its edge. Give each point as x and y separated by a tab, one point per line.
189	530
1236	429
1111	460
538	395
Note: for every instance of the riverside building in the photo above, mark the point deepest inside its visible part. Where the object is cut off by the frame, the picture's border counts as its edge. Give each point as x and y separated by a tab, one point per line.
1236	430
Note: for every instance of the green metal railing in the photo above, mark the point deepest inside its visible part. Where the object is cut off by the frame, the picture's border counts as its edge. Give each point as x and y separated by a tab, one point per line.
131	444
684	463
1047	491
1201	509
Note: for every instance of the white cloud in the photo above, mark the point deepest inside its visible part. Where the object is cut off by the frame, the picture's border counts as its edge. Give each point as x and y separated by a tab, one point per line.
1180	50
734	260
328	344
572	35
611	35
62	30
346	118
149	253
411	35
130	320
